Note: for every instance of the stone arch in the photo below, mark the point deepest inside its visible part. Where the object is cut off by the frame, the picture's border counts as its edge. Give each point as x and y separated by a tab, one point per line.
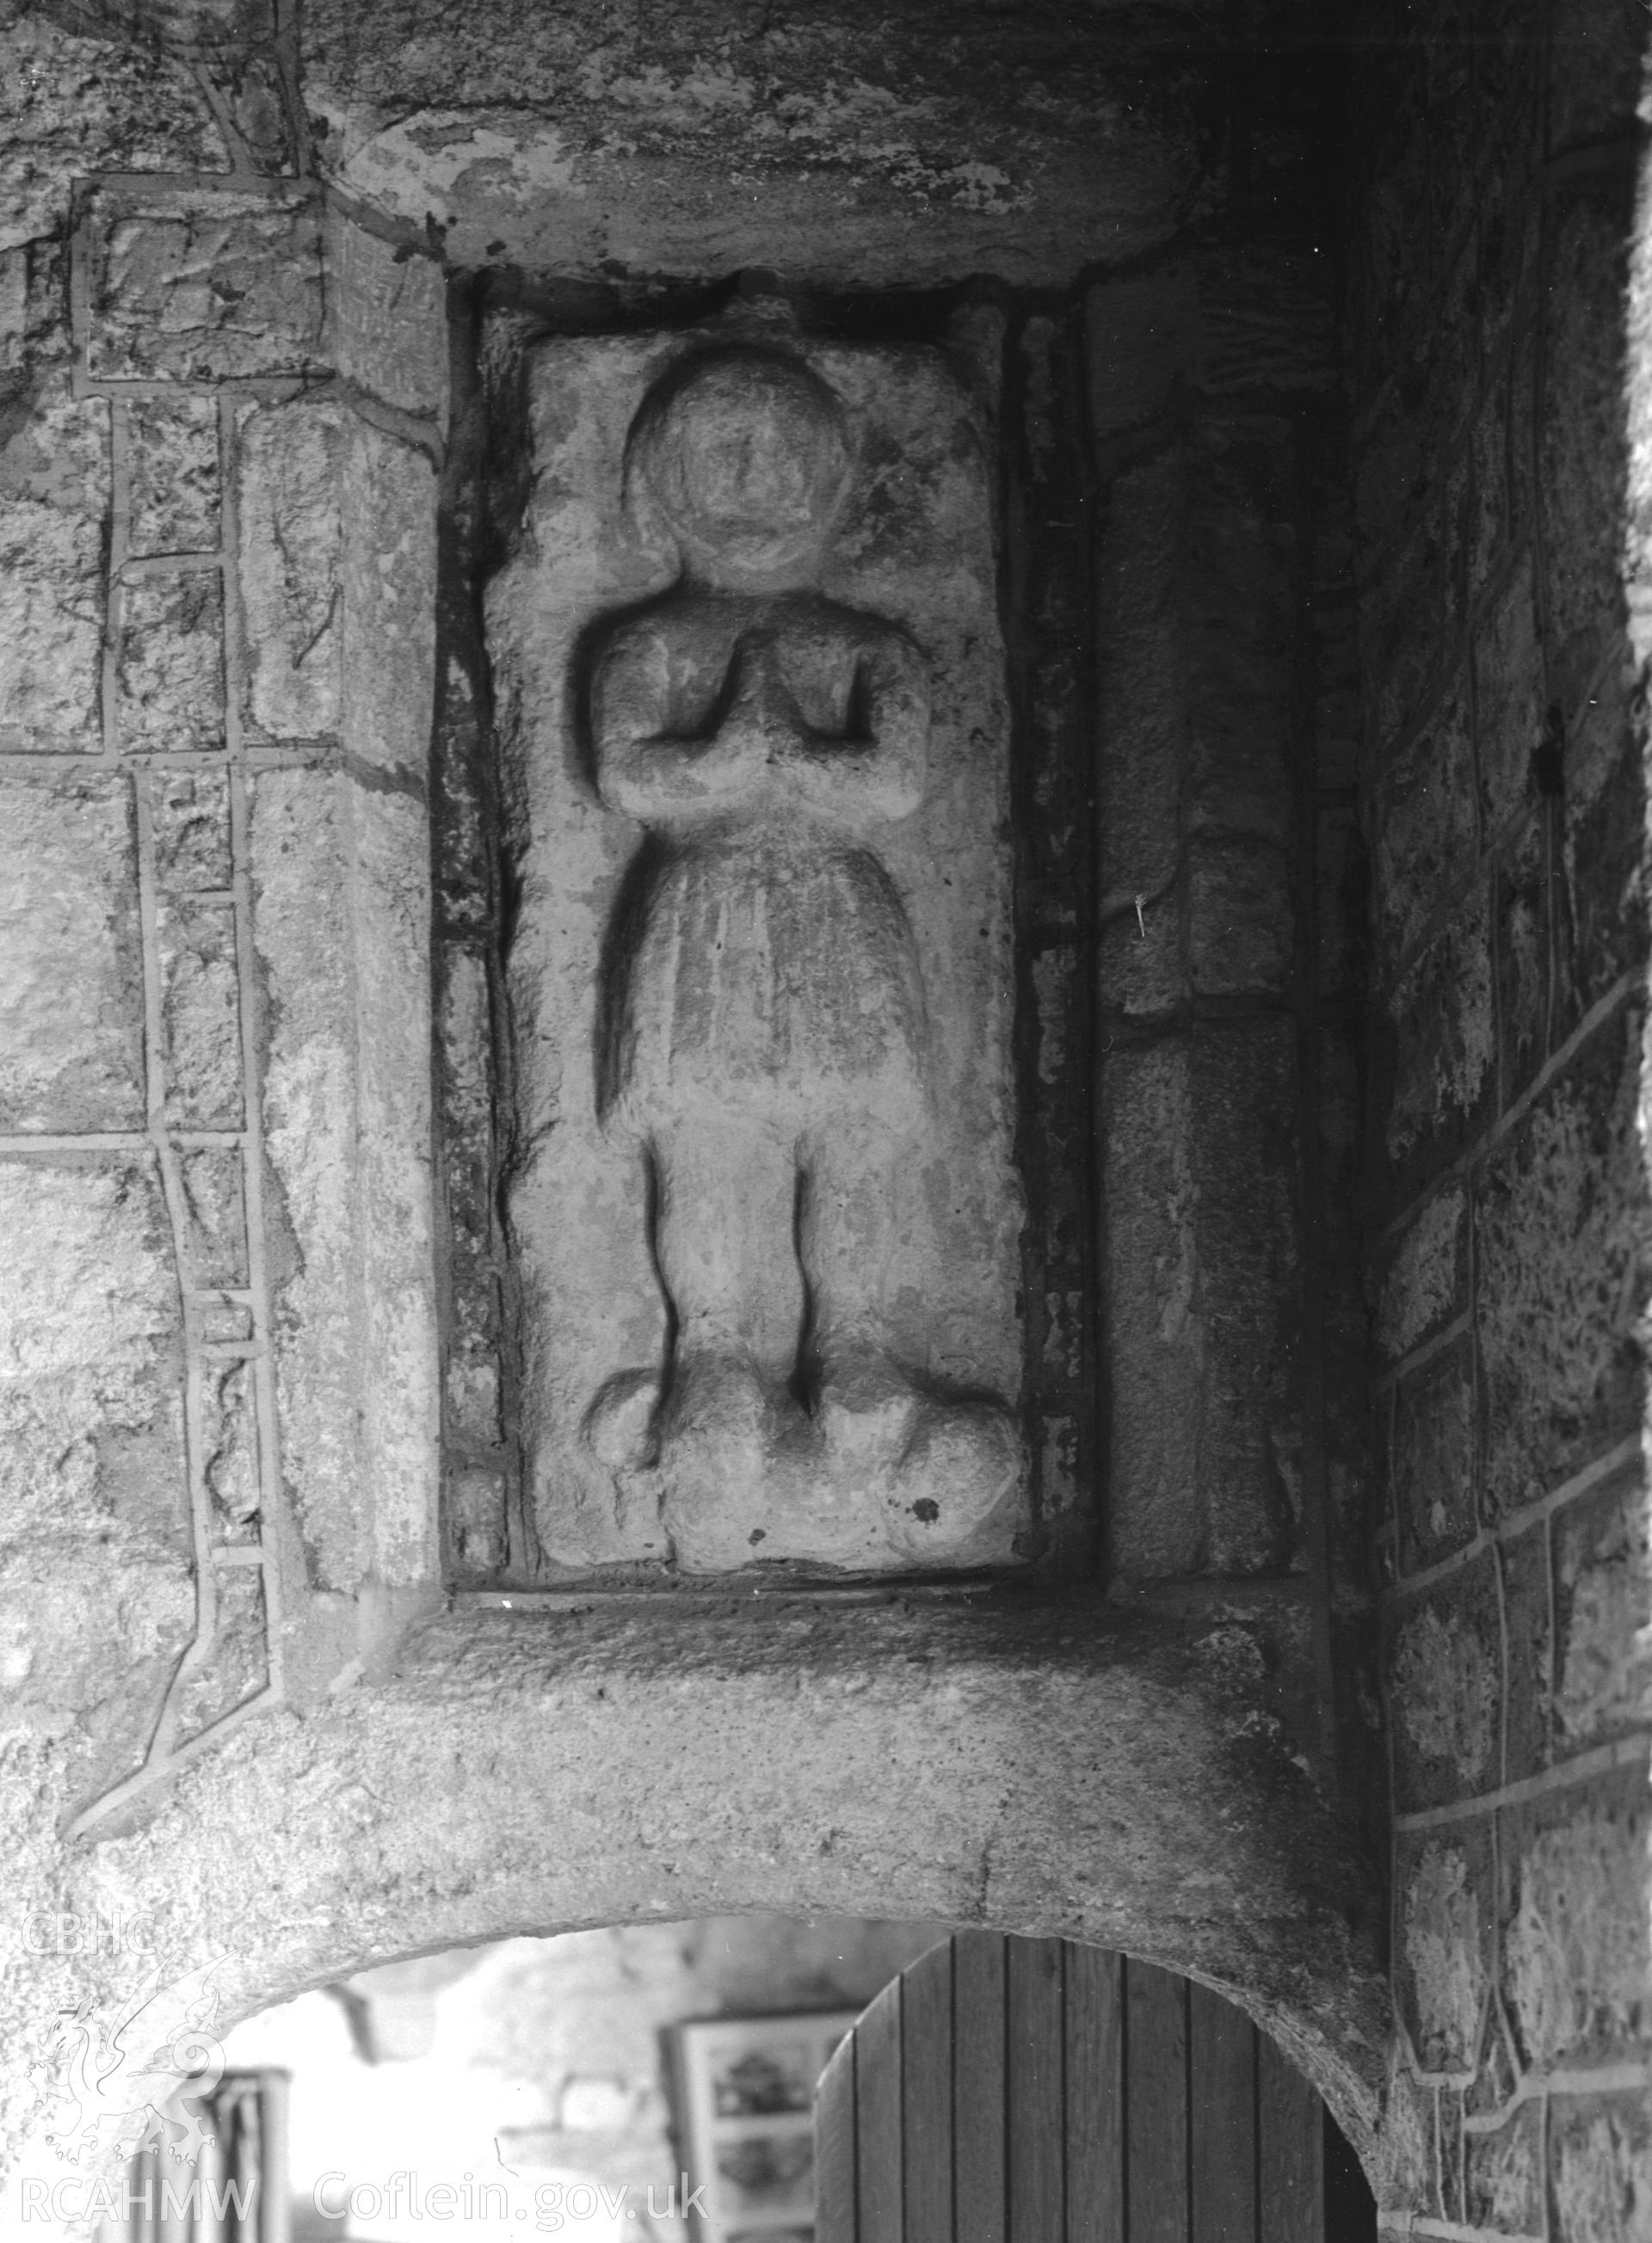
524	1777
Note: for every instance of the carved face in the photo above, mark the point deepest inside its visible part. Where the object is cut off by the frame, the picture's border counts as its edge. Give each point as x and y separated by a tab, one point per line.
746	455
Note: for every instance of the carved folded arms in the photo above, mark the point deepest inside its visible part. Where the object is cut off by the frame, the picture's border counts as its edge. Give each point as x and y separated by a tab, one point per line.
705	705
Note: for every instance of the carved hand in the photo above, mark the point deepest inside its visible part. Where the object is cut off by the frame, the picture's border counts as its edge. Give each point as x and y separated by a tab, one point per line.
761	723
877	763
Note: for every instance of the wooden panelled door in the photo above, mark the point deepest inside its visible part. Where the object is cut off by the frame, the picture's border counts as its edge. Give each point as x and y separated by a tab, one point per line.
1034	2090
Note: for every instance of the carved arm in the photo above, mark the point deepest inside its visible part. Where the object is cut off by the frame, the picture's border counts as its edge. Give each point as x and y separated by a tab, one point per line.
646	769
878	765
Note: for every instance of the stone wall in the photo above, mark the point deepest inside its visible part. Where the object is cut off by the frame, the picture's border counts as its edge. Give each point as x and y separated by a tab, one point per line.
1229	922
216	532
1503	797
237	580
230	525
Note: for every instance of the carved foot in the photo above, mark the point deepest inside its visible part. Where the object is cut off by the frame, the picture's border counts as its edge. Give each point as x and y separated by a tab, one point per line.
879	1475
620	1424
730	1443
961	1462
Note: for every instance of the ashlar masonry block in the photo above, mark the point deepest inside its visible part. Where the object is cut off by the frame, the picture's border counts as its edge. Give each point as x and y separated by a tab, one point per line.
1200	1301
1563	1236
289	478
92	1489
387	318
168	665
54	504
199	284
72	997
1603	1605
341	921
173	474
1444	1890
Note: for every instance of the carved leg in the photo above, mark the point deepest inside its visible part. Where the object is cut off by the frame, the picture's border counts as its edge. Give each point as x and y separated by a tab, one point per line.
845	1245
937	1467
726	1251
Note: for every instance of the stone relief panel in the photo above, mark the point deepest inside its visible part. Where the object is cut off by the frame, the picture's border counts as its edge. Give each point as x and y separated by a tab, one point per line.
755	734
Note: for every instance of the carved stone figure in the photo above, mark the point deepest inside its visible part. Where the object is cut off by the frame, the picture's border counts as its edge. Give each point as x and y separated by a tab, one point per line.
763	1030
798	1139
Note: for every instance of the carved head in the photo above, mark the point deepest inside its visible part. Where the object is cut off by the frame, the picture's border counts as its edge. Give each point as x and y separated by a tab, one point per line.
746	454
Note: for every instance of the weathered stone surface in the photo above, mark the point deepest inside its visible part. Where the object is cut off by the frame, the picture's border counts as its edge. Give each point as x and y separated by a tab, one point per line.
1339	867
804	1037
1401	635
1428	833
1604	926
214	1241
1445	1684
1387	469
1201	1303
171	467
1528	1668
1504	2175
386	325
1423	1281
1448	2128
94	1539
255	96
1155	1335
1510	694
1141	335
1603	2167
1444	1966
1575	1931
1404	2156
1489	506
1563	1241
387	1820
189	817
238	1663
476	1516
864	149
340	879
229	1445
470	1377
289	497
200	1017
14	308
1523	946
1141	727
191	285
1238	624
71	105
1445	1037
1266	319
168	665
71	998
1431	1456
1603	1603
1241	928
1244	1106
54	500
389	582
1490	403
1581	454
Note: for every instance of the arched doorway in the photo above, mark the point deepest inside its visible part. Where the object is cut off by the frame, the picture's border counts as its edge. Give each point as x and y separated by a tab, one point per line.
984	2089
1037	2090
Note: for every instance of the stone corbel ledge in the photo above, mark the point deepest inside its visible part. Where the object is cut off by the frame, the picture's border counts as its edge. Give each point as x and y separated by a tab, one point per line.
1037	1769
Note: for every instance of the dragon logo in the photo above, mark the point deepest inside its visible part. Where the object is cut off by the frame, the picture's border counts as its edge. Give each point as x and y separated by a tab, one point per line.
112	2077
